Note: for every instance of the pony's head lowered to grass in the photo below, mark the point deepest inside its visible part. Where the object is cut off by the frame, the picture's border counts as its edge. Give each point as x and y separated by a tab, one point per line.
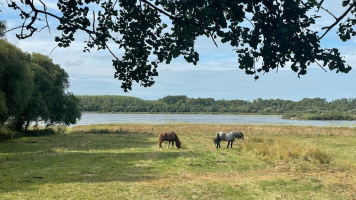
170	137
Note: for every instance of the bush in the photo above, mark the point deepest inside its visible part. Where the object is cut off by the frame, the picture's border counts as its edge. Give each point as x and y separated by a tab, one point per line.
41	132
6	134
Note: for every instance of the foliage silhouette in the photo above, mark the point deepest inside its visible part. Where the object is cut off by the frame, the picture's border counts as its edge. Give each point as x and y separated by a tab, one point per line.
157	31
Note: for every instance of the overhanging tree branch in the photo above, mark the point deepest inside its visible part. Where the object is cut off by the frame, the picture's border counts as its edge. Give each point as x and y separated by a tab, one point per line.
337	20
34	18
329	12
45	9
277	38
179	19
320	4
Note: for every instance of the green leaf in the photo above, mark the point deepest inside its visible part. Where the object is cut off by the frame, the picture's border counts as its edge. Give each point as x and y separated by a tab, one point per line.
284	30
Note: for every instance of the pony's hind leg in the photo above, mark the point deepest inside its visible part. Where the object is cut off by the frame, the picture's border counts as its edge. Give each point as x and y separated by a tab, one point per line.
231	143
228	143
169	142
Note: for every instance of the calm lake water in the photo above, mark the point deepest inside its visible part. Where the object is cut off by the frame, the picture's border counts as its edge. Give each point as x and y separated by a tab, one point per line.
111	118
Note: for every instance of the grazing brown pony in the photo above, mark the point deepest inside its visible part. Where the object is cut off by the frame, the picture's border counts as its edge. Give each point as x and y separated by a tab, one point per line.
170	137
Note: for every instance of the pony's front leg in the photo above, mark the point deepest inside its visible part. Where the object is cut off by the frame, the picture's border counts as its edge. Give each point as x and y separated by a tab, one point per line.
231	143
168	144
228	143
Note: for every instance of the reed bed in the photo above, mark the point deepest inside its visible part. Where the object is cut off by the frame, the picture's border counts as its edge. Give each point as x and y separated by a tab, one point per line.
211	129
284	150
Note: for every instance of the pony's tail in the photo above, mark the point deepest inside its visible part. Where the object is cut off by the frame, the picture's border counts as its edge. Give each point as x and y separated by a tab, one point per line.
160	140
218	138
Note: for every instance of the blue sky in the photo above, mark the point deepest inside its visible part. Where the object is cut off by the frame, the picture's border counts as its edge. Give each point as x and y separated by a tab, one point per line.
217	74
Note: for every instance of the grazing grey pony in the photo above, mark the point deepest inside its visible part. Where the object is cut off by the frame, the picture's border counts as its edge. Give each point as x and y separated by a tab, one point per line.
230	137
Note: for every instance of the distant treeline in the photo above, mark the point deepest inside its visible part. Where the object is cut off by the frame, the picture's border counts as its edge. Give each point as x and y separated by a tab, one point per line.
183	104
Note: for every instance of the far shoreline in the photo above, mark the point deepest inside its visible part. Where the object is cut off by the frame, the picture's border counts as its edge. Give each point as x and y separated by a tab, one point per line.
205	113
182	113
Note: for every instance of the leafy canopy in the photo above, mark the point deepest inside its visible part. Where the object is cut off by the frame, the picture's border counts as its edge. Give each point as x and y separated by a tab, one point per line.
2	28
156	31
33	88
16	83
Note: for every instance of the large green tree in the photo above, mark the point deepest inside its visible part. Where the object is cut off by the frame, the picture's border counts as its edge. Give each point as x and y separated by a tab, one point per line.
3	108
33	88
50	101
16	85
276	32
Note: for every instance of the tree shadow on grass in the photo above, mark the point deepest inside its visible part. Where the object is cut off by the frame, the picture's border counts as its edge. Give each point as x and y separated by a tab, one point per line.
28	173
27	163
80	142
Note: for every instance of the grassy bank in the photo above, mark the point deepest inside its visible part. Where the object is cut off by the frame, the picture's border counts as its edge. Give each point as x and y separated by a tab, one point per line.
124	162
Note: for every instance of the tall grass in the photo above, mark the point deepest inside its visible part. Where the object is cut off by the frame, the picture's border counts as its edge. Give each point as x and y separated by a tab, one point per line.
212	129
109	129
278	149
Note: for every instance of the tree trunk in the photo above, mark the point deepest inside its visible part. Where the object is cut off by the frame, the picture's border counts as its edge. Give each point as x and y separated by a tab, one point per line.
27	125
18	125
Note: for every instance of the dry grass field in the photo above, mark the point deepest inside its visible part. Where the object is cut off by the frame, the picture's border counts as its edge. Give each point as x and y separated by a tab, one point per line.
123	161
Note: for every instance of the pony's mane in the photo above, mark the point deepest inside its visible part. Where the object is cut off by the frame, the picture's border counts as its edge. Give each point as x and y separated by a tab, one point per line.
177	139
